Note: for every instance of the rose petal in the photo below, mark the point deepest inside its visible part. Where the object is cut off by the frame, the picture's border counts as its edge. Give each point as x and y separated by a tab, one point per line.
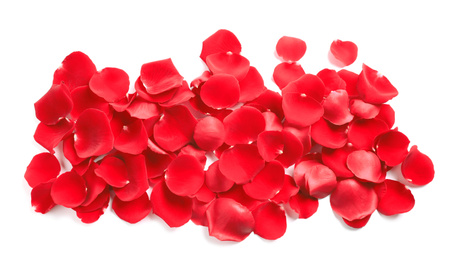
76	70
228	220
49	136
314	178
301	110
94	184
270	221
290	48
156	163
331	80
272	122
268	101
270	145
288	190
199	209
132	211
373	87
132	139
221	41
228	63
417	167
100	202
142	109
238	194
113	171
365	165
157	98
345	52
204	194
160	76
362	109
200	155
70	152
396	200
267	182
137	176
209	133
303	134
84	99
220	91
285	73
69	190
357	223
362	132
350	79
54	105
386	114
307	84
336	160
215	180
392	147
241	163
303	205
42	168
251	86
243	126
40	196
184	175
112	84
336	107
329	135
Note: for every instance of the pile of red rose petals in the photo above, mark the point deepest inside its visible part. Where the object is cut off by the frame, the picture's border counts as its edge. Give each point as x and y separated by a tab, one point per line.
146	151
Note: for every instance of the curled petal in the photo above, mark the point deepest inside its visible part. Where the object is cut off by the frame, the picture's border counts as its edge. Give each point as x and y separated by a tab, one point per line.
417	167
221	41
329	135
373	87
215	180
143	109
182	95
76	70
331	80
285	73
362	132
243	126
200	80
270	221
303	134
228	220
241	163
251	86
160	76
268	101
204	194
365	165
112	84
290	48
301	110
228	63
357	223
84	99
184	175
94	184
220	91
69	190
293	149
42	168
41	200
386	114
200	155
70	152
267	182
137	176
157	98
392	147
305	206
344	52
270	145
288	190
156	163
362	109
132	211
308	84
237	193
336	107
314	178
272	122
336	160
101	202
350	79
396	200
49	136
353	200
132	139
113	171
209	133
199	209
173	209
54	105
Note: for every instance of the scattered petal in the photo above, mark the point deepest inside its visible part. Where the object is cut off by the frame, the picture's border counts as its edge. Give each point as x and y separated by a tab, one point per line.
220	91
49	136
288	190
42	168
160	76
336	107
243	126
270	221
228	63
365	165
373	87
345	52
336	160
113	171
392	147
396	200
357	223
84	99
267	182
251	86
301	110
132	211
307	84
112	84
76	70
417	167
329	135
184	176
362	132
173	209
331	80
41	200
69	190
54	105
241	163
364	110
215	180
209	133
285	73
303	205
222	41
137	176
290	48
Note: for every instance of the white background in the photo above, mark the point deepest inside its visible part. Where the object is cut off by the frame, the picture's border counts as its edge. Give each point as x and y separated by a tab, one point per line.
410	42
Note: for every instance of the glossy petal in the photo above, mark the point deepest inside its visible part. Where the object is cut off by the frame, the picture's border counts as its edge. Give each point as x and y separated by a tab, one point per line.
173	209
156	163
228	63
308	84
301	110
392	147
70	152
113	171
331	80
251	86
137	176
316	180
40	198
357	223
215	180
336	107
386	114
267	182
237	193
268	101
69	190
241	163
329	135
270	145
220	91
396	200
54	105
142	109
42	168
303	205
373	87
290	48
288	190
132	139
417	167
84	99
336	160
76	70
243	126
285	73
184	175
209	133
272	122
221	41
49	136
362	132
364	110
160	76
350	79
270	221
365	165
132	211
345	52
112	84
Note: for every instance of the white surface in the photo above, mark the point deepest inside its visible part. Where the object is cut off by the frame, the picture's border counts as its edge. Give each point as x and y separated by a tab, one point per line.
411	44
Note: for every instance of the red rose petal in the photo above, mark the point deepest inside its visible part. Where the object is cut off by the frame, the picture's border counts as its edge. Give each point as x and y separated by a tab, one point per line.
137	176
113	171
336	107
386	114
122	104
243	126
352	200
303	205
84	99
142	109
301	110
417	167
270	221
336	160
173	209
132	139
132	211
267	182
396	200
228	220
357	223
42	168
112	84
90	217
220	91
362	109
269	101
331	80
350	79
93	134
184	175
175	128
200	155
362	132
160	76
156	163
199	209
94	184
158	98
241	163
100	202
365	165
228	63
76	70
315	179
70	152
392	147
345	52
307	84
303	134
204	194
290	48
41	200
285	73
215	180
329	135
251	86
237	193
288	190
54	105
69	190
209	133
270	145
272	122
221	41
49	136
373	87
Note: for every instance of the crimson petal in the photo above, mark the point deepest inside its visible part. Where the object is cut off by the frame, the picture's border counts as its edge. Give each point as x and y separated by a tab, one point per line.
243	126
221	41
373	87
392	147
132	139
268	101
270	221
40	196
386	114
84	99
132	211
69	190
94	184
137	176
364	110
143	109
270	145
113	171
396	200
215	180
315	179
308	84
417	167
76	70
209	133
350	79
336	107
285	73
336	160
301	110
220	91
362	132
54	105
241	163
267	182
272	122
251	86
228	63
112	84
357	223
305	206
329	135
156	163
365	165
331	80
42	168
70	152
290	48
345	52
184	175
288	190
49	136
160	76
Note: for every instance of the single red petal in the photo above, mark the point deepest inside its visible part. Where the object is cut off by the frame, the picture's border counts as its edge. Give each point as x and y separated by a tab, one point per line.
272	122
228	63
301	110
303	167
112	84
221	41
133	138
396	200
84	99
137	176
94	184
228	220
268	101
251	86
113	171
331	80
329	135
267	182
417	167
175	128
42	168
209	133
184	175
199	209
200	80
308	84
350	79
373	87
160	76
353	200
362	132
241	163
288	190
122	104
90	217
215	180
386	114
173	209
365	165
197	103
336	107
270	221
362	109
69	190
238	194
218	152
100	202
49	136
76	70
285	73
157	98
357	223
319	181
54	105
82	167
392	147
143	109
132	211
303	134
290	48
220	91
204	194
40	196
293	149
182	95
345	52
93	134
156	163
200	155
336	160
304	205
243	126
270	145
70	152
